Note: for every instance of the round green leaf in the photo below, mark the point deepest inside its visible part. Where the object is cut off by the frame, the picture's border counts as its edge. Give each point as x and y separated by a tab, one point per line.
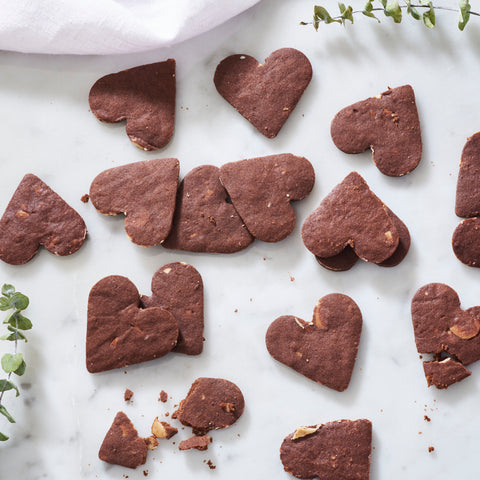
8	290
19	301
11	362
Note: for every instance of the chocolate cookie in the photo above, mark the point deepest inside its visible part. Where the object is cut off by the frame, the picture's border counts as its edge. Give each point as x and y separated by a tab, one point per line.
143	96
145	192
262	188
334	451
120	332
467	202
323	350
444	373
388	124
197	442
466	242
440	325
211	403
178	288
36	216
204	220
264	94
347	258
122	445
351	214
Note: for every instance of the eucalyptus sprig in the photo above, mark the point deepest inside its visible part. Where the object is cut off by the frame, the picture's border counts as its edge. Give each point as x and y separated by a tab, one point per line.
392	9
12	363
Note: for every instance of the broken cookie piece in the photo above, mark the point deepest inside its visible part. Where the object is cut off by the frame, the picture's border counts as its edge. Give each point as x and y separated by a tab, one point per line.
198	442
261	190
442	328
351	215
332	451
120	332
145	192
122	445
388	124
163	429
323	350
211	404
144	96
205	220
264	94
444	373
37	216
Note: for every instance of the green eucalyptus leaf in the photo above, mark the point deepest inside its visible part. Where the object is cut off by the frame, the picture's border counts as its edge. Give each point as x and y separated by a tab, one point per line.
5	303
6	385
21	369
3	437
321	14
393	10
5	413
412	11
20	335
19	301
347	13
11	362
464	7
8	290
11	337
17	320
10	318
384	3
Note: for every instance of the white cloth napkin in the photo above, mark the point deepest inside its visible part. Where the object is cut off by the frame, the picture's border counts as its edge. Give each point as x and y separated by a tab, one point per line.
108	26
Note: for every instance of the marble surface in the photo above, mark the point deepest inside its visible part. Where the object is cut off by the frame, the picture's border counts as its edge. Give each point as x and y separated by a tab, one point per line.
64	412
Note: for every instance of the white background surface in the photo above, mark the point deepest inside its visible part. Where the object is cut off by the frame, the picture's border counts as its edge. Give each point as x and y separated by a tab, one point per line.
47	129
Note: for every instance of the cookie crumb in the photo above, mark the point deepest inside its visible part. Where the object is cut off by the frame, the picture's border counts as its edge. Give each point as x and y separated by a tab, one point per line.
167	414
431	449
145	473
427	418
211	466
127	395
292	278
151	442
163	396
236	310
85	198
163	429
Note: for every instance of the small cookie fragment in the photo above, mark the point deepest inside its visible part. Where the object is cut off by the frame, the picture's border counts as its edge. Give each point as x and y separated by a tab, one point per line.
262	188
388	124
127	395
178	288
120	332
163	395
264	94
151	442
197	442
351	215
205	406
37	216
122	445
323	350
163	429
85	198
204	220
444	373
333	451
431	449
145	192
144	96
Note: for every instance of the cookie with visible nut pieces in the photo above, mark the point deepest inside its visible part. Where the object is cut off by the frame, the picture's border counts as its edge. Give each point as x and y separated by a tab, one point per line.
323	350
333	451
37	216
388	124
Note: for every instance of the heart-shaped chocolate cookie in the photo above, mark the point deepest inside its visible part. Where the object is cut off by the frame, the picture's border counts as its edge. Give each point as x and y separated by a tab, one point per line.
204	220
145	192
262	188
264	94
347	258
467	202
334	451
323	350
211	403
178	288
440	325
388	124
120	332
37	216
144	96
351	214
122	445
